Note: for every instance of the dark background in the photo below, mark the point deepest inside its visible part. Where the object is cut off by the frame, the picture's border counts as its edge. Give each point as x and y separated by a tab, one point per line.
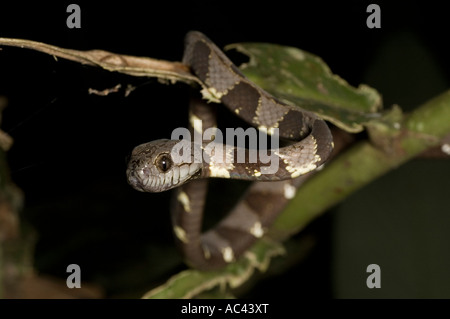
71	148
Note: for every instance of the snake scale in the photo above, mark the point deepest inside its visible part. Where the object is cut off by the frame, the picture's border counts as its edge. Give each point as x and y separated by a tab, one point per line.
153	168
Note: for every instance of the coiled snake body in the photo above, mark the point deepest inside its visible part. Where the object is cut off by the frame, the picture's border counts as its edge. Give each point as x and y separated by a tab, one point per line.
153	168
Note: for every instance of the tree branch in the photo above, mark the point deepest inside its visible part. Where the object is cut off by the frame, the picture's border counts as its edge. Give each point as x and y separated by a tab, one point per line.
426	127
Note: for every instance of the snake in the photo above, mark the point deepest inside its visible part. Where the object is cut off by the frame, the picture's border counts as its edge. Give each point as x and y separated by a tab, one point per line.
158	166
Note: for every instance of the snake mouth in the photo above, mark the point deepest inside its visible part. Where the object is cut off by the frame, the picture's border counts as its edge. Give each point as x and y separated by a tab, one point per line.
136	181
145	179
142	181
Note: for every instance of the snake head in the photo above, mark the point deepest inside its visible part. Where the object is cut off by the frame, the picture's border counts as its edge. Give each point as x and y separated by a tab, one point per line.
156	166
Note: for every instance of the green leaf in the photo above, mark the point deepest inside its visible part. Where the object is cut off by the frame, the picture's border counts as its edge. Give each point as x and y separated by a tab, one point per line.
191	282
303	79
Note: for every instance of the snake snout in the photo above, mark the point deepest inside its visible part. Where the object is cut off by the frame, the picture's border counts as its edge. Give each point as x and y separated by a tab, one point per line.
138	175
135	180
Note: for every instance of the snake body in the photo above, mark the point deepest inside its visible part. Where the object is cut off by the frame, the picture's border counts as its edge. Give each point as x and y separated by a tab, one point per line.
153	168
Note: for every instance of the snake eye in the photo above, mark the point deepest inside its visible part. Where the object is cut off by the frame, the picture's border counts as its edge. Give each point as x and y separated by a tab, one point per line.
163	163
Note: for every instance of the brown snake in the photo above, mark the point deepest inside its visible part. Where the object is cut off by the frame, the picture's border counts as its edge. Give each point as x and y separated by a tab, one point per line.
156	166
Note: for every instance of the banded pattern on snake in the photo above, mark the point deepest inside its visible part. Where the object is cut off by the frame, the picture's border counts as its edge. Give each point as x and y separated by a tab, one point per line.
153	168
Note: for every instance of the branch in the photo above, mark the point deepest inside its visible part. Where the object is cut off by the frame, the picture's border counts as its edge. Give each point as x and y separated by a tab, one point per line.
131	65
426	127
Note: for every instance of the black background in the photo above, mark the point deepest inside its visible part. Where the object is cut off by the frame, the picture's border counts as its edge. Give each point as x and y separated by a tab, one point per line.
71	148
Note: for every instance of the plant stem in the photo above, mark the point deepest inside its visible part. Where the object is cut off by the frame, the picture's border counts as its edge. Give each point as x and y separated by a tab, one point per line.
361	164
